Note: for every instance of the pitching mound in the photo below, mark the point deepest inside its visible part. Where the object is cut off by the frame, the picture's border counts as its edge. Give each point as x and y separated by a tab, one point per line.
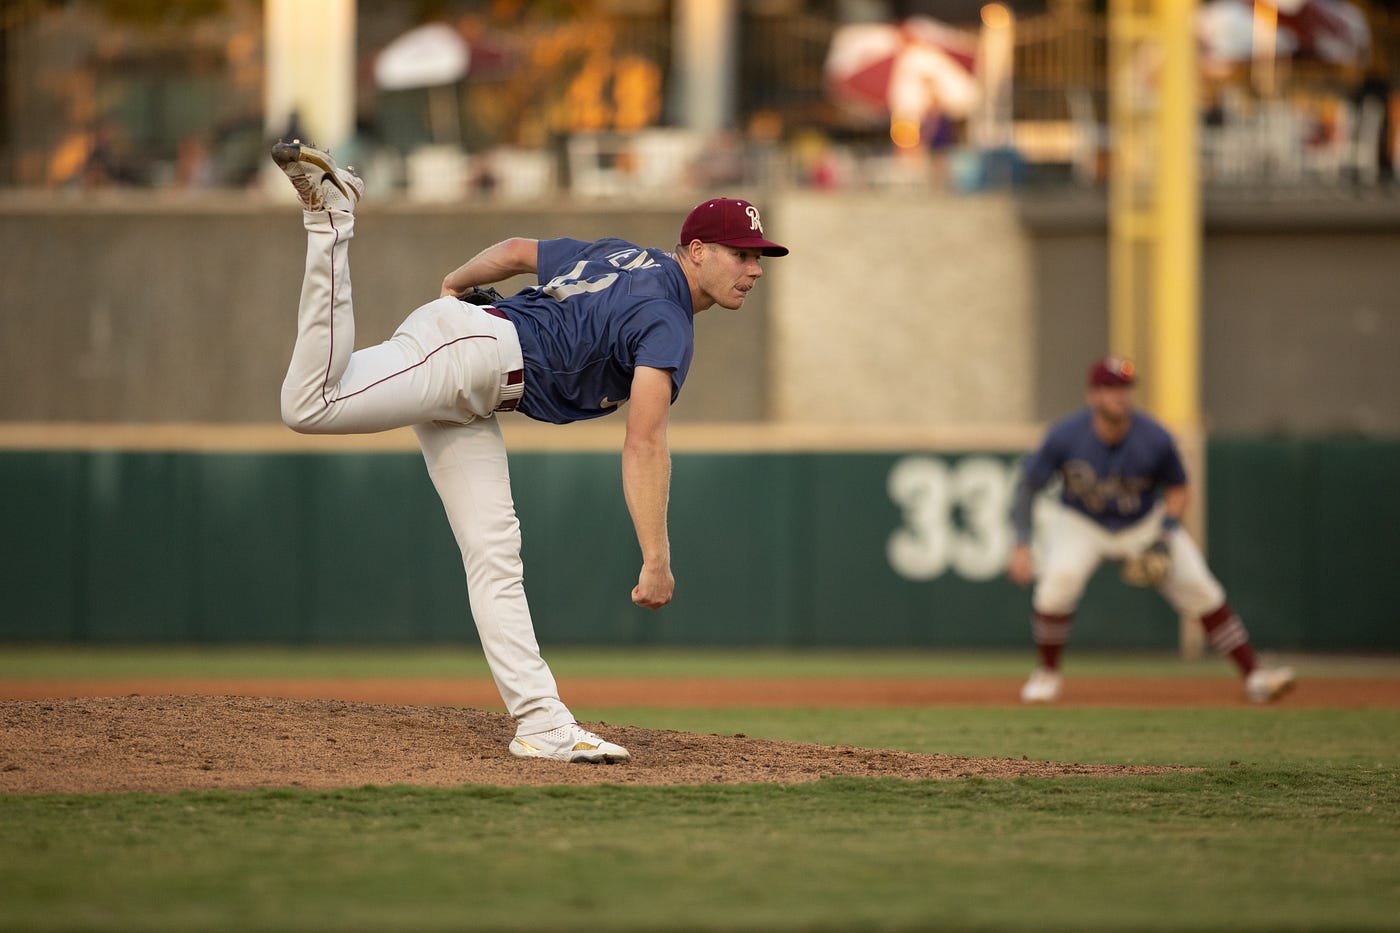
173	743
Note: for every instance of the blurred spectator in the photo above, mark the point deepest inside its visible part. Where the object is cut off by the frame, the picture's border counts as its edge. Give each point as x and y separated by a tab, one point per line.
485	177
815	161
722	162
238	149
939	134
194	163
1374	91
95	159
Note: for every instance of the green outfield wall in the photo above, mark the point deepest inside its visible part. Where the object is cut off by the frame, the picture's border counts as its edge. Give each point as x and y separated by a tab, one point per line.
781	549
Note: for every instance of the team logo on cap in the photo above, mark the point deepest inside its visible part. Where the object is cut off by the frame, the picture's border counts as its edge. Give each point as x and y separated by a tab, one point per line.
754	222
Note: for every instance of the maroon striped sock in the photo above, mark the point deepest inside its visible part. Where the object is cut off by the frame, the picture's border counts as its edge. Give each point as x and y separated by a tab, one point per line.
1228	636
1050	634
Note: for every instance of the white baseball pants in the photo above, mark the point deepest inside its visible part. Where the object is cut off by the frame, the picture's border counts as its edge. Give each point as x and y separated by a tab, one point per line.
443	372
1075	546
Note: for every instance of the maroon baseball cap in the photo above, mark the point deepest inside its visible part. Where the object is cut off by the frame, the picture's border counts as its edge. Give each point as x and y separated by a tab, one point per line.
1112	371
731	222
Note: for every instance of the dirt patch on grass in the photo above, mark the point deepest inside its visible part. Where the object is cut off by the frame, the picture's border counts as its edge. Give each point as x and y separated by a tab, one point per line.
174	743
186	734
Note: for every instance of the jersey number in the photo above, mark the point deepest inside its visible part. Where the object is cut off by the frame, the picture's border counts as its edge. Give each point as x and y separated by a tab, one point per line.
954	517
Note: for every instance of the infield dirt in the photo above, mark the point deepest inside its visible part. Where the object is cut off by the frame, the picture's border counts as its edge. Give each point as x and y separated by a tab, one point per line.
173	743
172	735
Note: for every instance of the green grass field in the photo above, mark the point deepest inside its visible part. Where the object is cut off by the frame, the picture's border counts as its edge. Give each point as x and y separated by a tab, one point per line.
22	662
1291	823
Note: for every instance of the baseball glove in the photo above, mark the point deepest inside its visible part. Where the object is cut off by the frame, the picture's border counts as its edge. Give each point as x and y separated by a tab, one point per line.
476	295
1150	568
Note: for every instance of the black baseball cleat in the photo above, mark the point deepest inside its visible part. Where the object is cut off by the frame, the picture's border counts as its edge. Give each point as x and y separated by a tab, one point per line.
319	182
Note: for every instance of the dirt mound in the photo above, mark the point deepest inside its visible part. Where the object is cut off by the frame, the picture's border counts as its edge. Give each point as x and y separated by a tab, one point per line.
172	743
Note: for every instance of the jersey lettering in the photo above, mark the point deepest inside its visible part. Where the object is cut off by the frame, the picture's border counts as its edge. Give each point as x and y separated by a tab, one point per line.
641	259
1124	492
564	286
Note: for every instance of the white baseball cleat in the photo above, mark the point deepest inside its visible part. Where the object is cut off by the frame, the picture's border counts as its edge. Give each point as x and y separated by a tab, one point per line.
320	183
568	743
1266	684
1042	687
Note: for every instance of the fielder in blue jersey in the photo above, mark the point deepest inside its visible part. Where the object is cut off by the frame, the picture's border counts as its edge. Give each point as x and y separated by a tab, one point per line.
609	323
1123	494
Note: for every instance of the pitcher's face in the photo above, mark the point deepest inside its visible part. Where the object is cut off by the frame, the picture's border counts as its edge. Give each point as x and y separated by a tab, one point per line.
729	273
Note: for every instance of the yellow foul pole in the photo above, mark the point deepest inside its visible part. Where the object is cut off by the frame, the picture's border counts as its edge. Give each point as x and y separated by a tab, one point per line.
1155	224
1175	328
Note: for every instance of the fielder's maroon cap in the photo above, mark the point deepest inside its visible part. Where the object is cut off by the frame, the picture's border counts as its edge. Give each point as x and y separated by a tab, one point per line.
731	222
1112	371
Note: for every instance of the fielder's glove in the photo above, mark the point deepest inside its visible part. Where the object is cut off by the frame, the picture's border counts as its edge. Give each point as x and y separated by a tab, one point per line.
476	295
1151	567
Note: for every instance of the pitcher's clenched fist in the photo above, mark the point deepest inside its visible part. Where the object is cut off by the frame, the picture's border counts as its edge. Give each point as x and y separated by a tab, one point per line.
654	587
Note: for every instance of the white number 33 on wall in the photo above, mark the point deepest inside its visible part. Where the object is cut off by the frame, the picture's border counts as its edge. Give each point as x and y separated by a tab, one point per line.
955	517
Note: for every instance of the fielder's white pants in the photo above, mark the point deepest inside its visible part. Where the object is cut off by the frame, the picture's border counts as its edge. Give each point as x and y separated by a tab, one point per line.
442	373
1075	546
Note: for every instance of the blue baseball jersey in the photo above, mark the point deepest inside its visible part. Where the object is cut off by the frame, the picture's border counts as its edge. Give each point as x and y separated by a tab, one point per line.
601	310
1115	486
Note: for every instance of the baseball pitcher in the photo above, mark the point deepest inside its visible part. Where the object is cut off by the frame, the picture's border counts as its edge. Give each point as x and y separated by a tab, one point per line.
609	323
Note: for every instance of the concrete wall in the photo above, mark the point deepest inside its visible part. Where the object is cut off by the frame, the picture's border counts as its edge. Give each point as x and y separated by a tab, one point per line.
1299	304
907	310
889	310
903	309
139	311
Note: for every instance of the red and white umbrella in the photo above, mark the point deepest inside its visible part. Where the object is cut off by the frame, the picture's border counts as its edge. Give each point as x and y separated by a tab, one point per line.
433	57
904	69
1326	30
427	56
